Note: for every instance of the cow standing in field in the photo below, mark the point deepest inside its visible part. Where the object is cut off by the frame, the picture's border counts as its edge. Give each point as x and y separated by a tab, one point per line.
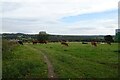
108	42
42	42
64	43
20	42
93	43
34	42
84	43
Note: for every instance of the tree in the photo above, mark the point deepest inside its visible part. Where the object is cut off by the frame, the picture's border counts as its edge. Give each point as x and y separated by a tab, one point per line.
108	39
42	36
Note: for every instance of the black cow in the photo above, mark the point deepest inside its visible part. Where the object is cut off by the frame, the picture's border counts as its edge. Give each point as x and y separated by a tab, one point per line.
84	43
108	42
20	42
64	43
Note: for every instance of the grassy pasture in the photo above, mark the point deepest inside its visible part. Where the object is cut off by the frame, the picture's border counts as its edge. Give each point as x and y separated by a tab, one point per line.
24	63
76	61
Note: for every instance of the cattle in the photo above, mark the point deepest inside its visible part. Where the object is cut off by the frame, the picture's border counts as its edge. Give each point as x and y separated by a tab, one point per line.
20	42
84	43
93	43
64	43
34	42
42	42
108	42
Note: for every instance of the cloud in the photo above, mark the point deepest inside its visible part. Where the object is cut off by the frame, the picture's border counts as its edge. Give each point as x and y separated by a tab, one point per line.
87	27
8	7
36	15
60	8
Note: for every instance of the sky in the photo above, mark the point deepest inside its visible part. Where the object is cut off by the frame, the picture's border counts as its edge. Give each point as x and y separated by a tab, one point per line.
62	17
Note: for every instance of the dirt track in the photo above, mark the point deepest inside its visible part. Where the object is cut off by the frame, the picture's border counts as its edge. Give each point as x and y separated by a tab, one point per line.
51	73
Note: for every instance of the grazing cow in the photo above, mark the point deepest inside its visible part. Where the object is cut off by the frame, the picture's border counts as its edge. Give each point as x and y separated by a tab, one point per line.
20	42
94	43
108	42
42	42
64	43
34	42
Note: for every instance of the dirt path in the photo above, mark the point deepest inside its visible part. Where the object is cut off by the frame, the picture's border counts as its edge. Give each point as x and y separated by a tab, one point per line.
51	73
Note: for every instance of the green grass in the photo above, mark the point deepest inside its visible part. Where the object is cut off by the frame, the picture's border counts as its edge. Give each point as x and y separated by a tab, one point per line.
76	61
25	63
82	61
0	58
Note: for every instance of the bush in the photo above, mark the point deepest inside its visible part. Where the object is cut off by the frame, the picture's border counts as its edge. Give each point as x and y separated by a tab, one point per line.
7	48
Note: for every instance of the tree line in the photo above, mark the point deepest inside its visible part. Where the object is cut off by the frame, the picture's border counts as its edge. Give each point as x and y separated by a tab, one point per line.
55	38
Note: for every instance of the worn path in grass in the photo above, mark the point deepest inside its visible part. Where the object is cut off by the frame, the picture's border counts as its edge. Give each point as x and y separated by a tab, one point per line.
51	73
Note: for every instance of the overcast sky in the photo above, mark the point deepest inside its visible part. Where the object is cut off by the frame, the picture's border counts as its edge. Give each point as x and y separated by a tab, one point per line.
76	17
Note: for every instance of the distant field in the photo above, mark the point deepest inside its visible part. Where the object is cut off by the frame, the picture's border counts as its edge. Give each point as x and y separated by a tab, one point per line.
75	61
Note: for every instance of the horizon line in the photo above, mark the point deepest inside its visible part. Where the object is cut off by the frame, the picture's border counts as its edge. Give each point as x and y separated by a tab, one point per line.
57	34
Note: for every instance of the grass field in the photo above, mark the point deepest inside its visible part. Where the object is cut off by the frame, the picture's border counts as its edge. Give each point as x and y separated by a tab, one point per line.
75	61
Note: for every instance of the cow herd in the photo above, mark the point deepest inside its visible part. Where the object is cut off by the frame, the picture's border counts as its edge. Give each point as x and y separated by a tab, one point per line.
42	42
64	43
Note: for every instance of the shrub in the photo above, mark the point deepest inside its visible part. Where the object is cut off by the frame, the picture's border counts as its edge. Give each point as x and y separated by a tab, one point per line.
7	48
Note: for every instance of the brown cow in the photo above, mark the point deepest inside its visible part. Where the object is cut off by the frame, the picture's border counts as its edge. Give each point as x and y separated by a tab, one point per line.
64	43
94	43
34	42
42	42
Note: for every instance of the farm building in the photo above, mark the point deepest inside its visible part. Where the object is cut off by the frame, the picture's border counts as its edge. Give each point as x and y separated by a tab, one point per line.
117	31
117	36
